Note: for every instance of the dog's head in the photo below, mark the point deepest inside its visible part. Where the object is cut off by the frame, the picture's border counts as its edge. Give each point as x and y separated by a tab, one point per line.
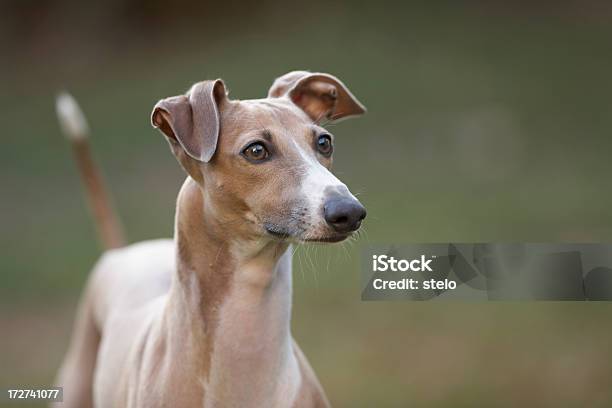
264	164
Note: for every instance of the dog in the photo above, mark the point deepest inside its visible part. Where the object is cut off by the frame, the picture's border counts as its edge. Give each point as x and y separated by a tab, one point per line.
203	320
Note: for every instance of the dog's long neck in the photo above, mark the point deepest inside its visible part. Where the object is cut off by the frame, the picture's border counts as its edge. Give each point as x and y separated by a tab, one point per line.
231	309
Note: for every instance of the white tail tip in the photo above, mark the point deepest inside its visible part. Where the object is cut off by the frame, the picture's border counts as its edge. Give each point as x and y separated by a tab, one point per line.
71	118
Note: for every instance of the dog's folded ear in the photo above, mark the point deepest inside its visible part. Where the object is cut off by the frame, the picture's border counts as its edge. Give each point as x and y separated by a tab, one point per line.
321	96
192	120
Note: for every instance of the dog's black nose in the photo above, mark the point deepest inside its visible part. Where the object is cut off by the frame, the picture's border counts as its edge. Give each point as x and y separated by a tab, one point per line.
344	214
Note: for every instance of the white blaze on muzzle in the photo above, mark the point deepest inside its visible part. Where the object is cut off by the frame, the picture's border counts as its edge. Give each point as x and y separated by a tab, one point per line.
317	182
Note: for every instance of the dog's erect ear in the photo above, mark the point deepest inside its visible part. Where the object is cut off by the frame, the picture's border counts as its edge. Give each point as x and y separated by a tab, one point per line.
192	120
321	96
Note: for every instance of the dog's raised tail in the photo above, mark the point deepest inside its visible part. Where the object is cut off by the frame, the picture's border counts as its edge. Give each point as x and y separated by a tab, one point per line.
74	125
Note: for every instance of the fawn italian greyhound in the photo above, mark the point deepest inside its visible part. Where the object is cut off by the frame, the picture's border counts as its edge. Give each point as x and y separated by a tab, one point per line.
204	320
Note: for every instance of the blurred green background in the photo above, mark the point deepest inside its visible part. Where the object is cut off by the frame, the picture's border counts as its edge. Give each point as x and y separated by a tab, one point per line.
487	122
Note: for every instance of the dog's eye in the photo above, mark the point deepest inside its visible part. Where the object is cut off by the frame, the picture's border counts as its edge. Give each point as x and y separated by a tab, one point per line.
256	152
324	145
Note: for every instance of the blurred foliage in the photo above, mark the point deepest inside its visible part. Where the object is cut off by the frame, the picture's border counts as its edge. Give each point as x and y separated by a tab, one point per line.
487	122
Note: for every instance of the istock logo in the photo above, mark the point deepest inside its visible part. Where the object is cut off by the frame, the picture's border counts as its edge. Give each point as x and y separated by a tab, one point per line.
382	263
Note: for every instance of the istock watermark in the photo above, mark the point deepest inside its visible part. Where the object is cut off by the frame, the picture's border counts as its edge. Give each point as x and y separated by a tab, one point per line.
487	271
382	263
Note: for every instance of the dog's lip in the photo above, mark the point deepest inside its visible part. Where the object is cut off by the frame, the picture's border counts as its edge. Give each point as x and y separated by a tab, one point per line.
324	239
330	239
281	235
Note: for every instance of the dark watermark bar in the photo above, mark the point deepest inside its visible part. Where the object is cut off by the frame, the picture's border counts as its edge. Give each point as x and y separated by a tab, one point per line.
487	271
